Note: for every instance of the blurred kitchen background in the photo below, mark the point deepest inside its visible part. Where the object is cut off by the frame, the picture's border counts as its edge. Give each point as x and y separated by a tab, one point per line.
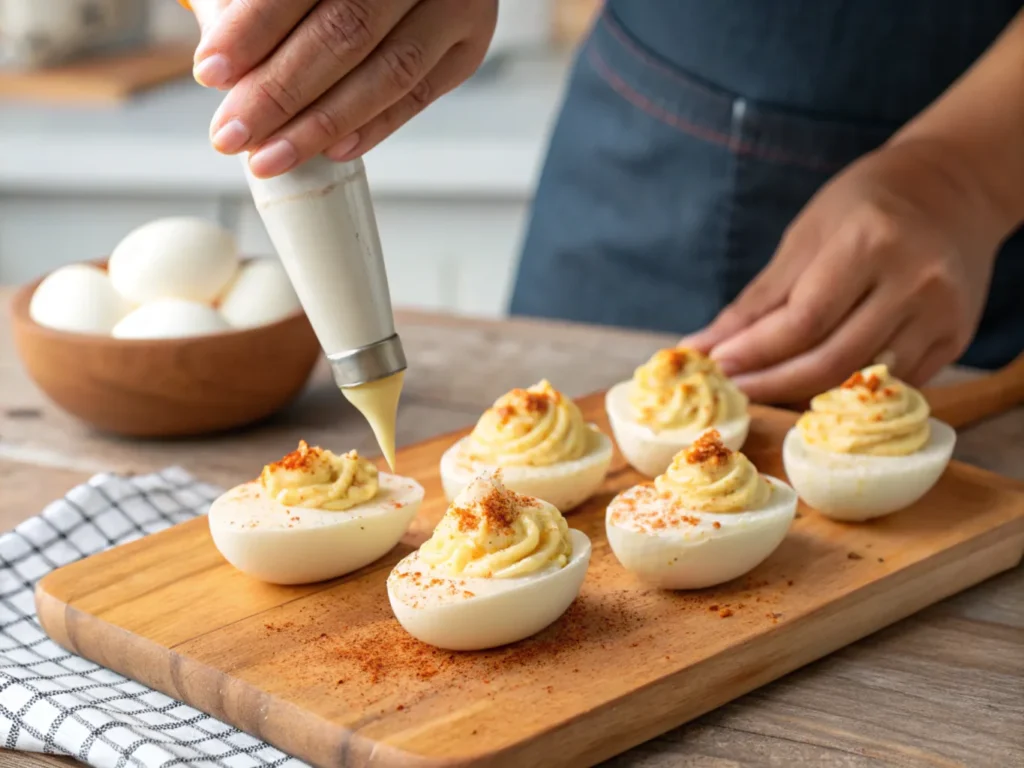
103	129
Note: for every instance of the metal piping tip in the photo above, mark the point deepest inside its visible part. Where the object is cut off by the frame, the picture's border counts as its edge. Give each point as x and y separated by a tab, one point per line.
370	363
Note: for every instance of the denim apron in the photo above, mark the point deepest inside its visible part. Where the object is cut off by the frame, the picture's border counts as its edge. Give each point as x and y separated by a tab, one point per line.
693	132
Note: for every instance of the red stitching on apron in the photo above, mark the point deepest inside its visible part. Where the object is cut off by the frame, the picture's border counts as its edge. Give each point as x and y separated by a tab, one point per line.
622	36
704	133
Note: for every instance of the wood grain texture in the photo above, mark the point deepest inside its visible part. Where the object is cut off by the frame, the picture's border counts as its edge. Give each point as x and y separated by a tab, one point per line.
897	698
101	79
968	402
325	673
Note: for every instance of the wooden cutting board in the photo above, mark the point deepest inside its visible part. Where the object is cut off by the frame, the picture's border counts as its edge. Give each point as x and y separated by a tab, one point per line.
325	673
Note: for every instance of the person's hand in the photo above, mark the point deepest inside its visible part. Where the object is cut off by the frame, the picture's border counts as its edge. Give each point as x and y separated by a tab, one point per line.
334	76
889	262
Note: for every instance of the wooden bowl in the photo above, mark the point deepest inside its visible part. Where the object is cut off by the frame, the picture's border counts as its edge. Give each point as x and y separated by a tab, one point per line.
167	387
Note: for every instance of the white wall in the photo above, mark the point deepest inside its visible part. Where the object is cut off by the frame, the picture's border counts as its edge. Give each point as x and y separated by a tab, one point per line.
449	255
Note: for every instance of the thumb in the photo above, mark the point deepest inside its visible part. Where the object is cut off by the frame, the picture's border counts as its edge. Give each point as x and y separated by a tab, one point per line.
206	11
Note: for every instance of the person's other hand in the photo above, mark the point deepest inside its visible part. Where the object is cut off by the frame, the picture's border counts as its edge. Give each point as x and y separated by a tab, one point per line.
334	76
890	261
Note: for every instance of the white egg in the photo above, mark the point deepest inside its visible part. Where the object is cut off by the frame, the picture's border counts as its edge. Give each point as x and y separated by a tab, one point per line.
565	485
78	298
855	487
650	452
261	294
295	545
710	548
175	258
474	614
170	319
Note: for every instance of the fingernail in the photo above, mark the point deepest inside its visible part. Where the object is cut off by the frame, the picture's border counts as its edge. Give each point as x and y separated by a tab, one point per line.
742	382
728	367
213	71
274	158
231	137
697	341
341	151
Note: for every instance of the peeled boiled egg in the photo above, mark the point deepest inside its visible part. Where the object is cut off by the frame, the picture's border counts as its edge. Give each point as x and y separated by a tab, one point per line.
710	518
511	568
295	543
538	439
170	318
78	298
177	258
855	487
261	294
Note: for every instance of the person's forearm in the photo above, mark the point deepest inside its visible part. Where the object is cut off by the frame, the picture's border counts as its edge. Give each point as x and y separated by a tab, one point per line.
978	127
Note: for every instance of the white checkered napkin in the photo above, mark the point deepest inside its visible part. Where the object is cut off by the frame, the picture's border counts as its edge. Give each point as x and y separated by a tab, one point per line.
53	701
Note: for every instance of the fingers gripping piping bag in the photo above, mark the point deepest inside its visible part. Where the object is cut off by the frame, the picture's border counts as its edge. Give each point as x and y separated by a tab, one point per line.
320	219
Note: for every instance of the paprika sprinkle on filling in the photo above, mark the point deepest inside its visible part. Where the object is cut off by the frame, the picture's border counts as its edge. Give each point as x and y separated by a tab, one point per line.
318	479
871	413
499	567
491	532
535	427
683	389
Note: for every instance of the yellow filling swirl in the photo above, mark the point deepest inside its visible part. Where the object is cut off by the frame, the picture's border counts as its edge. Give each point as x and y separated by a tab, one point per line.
491	532
683	389
872	413
708	477
533	427
318	479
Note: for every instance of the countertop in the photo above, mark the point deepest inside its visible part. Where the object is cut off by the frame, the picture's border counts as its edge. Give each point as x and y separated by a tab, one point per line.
487	137
944	687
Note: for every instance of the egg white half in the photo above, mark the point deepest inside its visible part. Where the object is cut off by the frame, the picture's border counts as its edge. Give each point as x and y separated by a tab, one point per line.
295	545
650	452
565	485
701	555
854	487
474	614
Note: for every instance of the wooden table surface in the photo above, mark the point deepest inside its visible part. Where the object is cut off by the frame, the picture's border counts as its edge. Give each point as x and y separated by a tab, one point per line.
942	688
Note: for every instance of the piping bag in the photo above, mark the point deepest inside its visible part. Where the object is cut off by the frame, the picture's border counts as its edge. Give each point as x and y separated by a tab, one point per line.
320	219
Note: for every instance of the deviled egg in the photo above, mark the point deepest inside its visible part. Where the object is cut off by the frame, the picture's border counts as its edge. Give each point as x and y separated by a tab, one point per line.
670	401
313	515
711	517
498	568
867	448
539	440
